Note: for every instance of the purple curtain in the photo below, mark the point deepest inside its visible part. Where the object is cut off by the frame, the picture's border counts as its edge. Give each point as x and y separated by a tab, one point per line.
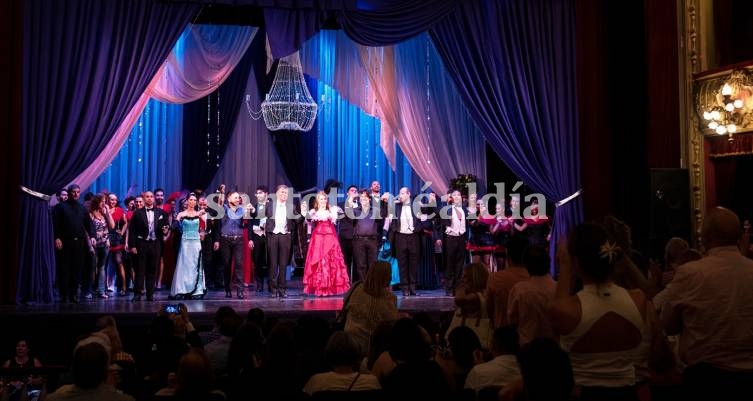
86	62
373	24
394	21
514	64
288	29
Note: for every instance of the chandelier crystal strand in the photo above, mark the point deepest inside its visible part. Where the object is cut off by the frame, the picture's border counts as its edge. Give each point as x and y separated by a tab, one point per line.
209	126
289	105
217	147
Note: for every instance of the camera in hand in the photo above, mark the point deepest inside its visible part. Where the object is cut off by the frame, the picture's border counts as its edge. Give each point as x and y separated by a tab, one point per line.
172	308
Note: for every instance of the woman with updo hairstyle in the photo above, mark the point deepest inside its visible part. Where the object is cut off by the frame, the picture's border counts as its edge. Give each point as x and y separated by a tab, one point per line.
604	327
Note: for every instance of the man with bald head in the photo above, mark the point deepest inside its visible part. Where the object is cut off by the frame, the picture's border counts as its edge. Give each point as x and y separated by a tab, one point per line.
711	307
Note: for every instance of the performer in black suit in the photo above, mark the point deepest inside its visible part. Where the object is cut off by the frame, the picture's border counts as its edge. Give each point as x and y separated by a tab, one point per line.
345	227
404	232
149	227
452	230
281	223
259	238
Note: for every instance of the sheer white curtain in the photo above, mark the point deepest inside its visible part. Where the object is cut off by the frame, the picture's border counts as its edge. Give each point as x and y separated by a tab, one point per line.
407	87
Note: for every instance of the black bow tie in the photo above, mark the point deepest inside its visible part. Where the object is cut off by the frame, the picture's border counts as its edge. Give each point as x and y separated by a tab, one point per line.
149	209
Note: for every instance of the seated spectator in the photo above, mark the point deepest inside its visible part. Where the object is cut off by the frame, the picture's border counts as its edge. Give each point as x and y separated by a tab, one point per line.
17	386
370	304
528	305
464	351
503	368
22	357
194	380
209	336
416	376
123	367
90	371
546	374
217	350
378	345
344	356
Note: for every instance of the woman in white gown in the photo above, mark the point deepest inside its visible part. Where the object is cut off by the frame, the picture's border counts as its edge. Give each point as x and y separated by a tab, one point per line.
188	281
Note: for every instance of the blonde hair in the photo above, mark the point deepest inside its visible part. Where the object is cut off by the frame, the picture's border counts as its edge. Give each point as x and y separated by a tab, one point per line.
316	199
378	278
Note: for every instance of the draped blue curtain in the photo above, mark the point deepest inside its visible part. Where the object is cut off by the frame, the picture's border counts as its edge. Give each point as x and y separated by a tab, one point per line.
151	157
514	64
348	147
85	65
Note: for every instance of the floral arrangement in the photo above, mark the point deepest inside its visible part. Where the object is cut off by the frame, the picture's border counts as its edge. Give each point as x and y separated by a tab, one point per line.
460	183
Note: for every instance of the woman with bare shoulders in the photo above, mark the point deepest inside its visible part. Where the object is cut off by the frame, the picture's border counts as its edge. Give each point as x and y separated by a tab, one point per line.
188	281
604	327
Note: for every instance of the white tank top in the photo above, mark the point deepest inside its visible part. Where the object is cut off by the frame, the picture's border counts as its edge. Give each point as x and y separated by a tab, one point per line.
605	369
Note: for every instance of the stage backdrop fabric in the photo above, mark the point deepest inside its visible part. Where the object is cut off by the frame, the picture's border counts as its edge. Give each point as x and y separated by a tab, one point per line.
86	64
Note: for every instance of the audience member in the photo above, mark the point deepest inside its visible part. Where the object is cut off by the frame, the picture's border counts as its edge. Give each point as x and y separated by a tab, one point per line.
604	326
528	304
344	356
502	281
91	362
711	306
503	368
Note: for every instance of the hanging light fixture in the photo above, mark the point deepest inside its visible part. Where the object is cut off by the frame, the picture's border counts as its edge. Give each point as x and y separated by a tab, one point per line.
288	105
725	103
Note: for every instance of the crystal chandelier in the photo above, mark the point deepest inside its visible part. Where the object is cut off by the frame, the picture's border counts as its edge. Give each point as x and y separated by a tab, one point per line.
288	105
724	111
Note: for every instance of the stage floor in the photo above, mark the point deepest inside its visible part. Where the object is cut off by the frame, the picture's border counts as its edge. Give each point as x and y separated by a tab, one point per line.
433	302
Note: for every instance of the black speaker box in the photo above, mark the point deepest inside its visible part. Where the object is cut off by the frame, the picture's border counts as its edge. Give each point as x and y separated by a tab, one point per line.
669	208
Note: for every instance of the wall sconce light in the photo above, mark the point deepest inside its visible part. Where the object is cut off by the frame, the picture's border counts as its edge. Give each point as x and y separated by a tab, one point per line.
724	104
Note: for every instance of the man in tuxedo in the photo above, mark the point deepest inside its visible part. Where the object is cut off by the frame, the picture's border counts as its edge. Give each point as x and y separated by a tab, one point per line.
259	238
451	234
405	230
281	223
345	226
149	227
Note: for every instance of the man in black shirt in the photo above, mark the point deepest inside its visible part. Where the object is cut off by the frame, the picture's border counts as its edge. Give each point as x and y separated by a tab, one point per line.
73	231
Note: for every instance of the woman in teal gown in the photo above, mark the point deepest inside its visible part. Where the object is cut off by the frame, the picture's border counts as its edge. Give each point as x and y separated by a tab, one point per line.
188	281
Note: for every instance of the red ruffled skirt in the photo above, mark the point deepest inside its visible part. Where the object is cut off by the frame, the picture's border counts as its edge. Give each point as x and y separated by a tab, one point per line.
325	272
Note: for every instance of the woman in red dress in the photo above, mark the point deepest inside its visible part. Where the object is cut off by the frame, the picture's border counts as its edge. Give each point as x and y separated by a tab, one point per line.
324	272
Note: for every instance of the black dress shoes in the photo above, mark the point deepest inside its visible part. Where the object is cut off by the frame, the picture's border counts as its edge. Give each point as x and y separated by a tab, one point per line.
228	294
240	294
406	293
136	298
150	298
74	299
